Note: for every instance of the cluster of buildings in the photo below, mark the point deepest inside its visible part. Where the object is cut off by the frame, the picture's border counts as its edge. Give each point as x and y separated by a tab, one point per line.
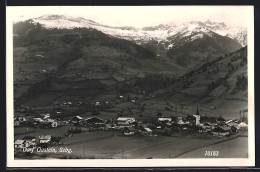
42	121
192	123
30	141
197	123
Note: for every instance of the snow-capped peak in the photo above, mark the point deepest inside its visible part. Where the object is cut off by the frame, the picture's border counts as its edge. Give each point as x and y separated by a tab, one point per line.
159	33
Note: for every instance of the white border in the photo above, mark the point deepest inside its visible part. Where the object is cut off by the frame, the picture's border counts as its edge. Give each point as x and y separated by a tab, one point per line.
250	161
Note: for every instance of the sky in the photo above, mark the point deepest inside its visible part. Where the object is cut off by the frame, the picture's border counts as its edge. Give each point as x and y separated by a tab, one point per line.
139	16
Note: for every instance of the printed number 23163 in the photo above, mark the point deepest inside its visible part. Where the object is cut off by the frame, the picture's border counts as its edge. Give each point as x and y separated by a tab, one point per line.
211	153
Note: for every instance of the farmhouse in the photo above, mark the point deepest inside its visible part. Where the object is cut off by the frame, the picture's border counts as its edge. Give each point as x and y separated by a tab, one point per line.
128	131
232	123
76	120
145	131
125	120
45	138
94	120
164	119
20	144
30	140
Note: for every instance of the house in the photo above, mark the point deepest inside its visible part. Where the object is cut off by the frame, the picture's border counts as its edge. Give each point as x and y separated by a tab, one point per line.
128	131
219	132
49	124
168	124
224	126
220	120
207	127
109	127
45	138
234	129
53	123
30	140
242	126
76	120
100	126
179	120
145	131
22	119
210	120
17	122
232	123
125	120
185	127
190	119
142	125
200	129
164	119
45	116
20	144
39	120
94	120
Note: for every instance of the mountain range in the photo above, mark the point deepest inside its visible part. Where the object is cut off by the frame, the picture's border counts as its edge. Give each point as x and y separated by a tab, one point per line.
59	58
162	32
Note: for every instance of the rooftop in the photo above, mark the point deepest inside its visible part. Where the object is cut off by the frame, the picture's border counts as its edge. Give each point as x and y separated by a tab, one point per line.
18	142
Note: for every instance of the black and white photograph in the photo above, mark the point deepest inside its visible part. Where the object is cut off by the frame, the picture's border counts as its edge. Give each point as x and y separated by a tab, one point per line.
130	85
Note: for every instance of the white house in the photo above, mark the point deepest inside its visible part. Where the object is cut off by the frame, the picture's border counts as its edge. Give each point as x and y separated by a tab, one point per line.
20	143
45	138
164	119
53	122
148	131
242	126
38	120
125	120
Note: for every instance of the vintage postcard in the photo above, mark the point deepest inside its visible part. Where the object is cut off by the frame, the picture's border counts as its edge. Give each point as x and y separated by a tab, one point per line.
130	86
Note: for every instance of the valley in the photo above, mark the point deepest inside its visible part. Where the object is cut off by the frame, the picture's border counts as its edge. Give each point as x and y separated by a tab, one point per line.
69	72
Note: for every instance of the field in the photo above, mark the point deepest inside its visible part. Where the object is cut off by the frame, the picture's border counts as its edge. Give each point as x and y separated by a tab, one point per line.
113	144
237	147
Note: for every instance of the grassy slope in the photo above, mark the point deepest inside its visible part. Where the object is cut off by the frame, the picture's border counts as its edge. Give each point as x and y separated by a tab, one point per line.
63	65
87	65
225	97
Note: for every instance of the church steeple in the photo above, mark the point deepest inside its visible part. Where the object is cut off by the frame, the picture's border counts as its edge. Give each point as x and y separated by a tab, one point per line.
197	113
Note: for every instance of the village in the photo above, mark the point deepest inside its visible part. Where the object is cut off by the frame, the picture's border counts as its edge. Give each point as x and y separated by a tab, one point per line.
126	126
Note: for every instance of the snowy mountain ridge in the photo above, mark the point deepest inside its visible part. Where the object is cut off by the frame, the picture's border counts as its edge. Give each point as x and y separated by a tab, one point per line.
161	33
